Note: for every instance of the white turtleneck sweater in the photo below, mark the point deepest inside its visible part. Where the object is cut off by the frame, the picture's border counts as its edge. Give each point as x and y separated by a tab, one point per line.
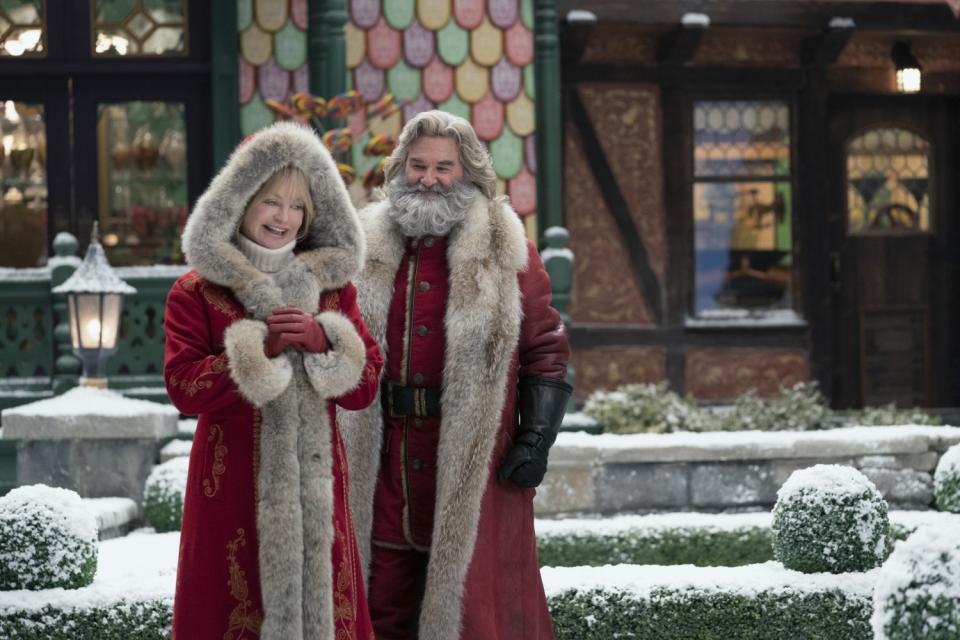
266	260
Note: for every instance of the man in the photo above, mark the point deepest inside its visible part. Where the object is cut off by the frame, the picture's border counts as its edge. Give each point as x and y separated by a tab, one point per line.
442	470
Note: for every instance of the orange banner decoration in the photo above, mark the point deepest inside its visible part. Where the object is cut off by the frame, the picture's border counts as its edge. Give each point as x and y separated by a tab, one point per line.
338	140
380	145
309	106
348	173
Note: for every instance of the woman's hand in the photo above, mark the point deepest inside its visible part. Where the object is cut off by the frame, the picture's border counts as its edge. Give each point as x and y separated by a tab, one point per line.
298	329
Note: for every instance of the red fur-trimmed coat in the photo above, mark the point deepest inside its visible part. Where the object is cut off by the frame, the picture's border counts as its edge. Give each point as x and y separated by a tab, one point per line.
218	581
492	307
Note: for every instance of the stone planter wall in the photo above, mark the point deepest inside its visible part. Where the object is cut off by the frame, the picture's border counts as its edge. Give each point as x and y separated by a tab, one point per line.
732	471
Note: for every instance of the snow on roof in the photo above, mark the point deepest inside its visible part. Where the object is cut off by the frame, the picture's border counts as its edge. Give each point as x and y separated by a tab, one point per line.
748	580
94	275
826	480
90	401
133	568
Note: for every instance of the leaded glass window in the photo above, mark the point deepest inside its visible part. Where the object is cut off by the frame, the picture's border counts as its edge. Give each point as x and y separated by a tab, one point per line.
23	184
742	208
22	30
139	28
888	182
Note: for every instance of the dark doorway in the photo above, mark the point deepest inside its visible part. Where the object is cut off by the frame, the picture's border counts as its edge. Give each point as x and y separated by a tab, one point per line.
892	230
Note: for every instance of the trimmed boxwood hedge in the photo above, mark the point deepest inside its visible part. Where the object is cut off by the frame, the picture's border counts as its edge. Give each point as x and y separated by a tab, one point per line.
668	614
147	620
700	546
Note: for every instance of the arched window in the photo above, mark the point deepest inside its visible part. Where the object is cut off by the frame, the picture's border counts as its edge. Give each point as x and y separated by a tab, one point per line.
888	182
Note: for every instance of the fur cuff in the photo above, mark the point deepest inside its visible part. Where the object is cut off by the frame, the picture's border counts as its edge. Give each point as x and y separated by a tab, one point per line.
338	370
260	379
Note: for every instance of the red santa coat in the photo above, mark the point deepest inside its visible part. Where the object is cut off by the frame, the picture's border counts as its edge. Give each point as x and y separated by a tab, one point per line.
486	321
266	549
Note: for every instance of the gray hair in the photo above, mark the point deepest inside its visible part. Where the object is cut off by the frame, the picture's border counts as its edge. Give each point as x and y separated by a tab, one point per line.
477	165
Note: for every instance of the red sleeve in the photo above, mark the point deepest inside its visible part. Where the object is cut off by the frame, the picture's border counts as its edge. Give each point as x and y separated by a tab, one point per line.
543	349
366	390
195	371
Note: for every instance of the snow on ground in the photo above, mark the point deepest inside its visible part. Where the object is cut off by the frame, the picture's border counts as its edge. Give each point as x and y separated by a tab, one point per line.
140	566
877	438
747	580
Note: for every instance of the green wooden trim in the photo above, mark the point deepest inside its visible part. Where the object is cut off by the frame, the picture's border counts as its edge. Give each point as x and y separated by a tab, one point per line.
549	139
224	81
327	47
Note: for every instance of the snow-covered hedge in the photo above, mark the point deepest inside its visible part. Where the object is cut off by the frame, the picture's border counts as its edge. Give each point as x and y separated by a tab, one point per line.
163	495
47	539
830	518
946	481
707	603
150	620
918	594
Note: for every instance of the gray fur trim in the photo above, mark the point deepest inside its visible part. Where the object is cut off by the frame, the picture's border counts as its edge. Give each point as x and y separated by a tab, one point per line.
337	371
333	249
482	324
259	379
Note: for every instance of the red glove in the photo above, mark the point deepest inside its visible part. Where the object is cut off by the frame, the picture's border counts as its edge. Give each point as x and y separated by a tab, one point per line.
276	342
300	327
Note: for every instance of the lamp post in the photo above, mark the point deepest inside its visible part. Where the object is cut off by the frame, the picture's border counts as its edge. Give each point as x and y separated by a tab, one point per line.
94	301
909	78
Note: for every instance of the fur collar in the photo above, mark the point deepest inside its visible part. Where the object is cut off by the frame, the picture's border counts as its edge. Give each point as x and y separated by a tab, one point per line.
332	252
482	324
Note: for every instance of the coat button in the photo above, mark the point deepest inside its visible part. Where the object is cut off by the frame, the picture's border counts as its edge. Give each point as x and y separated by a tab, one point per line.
417	422
417	465
422	330
418	378
424	286
428	241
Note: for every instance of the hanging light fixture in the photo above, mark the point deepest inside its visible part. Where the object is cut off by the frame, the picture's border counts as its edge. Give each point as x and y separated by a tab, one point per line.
94	300
909	77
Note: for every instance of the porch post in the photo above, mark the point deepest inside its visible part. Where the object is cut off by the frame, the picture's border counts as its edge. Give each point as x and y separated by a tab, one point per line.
224	82
549	141
327	49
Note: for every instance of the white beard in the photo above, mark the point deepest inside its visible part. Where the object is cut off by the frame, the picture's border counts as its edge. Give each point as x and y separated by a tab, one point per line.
420	211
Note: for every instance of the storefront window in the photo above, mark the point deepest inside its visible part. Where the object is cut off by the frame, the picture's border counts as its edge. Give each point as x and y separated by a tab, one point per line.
142	162
742	208
888	183
23	167
139	28
21	28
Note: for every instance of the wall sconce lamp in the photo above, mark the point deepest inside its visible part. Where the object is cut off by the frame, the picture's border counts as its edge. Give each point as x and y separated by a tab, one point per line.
908	69
94	300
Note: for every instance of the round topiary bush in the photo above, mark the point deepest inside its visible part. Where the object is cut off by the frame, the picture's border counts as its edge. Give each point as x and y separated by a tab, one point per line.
829	518
946	481
163	495
47	539
918	594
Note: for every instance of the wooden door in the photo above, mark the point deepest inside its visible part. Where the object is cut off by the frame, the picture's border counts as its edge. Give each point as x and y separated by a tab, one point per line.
893	236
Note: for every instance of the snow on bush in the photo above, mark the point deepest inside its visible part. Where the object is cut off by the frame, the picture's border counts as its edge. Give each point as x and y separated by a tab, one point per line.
163	495
47	539
643	408
798	408
830	518
889	415
918	594
946	481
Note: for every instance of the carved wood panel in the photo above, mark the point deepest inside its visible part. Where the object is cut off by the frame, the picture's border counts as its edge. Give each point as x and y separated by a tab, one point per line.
723	374
609	367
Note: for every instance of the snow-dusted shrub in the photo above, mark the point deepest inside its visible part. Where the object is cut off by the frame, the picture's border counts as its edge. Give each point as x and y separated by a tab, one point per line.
918	594
163	495
798	408
47	539
830	518
143	620
888	415
643	408
946	480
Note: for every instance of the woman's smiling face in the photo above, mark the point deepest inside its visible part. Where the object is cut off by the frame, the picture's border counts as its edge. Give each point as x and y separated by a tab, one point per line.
275	214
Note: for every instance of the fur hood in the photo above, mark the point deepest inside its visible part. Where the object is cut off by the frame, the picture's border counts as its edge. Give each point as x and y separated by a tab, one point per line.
333	249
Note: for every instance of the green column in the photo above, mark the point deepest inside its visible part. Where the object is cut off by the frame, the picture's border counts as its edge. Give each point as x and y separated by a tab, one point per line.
549	123
67	367
224	81
327	47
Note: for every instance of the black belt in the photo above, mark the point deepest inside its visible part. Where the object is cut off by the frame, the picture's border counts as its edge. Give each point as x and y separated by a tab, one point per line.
410	402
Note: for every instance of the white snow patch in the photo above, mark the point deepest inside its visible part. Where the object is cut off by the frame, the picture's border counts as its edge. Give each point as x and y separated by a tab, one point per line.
71	513
581	16
578	419
556	252
187	426
723	318
91	401
827	480
155	271
176	449
171	476
839	22
111	512
619	524
949	464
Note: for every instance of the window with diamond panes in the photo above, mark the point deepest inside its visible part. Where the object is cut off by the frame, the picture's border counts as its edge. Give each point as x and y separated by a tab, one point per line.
22	28
139	28
888	183
742	208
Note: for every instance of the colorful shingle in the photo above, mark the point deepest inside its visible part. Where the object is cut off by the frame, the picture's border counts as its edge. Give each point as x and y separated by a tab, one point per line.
399	13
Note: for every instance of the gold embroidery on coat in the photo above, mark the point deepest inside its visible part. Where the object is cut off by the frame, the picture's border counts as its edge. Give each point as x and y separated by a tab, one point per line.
190	281
191	387
210	488
244	617
345	595
256	456
331	301
219	300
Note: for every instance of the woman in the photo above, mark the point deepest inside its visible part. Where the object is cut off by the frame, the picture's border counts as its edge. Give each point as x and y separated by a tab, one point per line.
263	340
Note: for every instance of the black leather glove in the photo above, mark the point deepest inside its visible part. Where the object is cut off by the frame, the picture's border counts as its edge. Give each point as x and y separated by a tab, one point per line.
542	402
